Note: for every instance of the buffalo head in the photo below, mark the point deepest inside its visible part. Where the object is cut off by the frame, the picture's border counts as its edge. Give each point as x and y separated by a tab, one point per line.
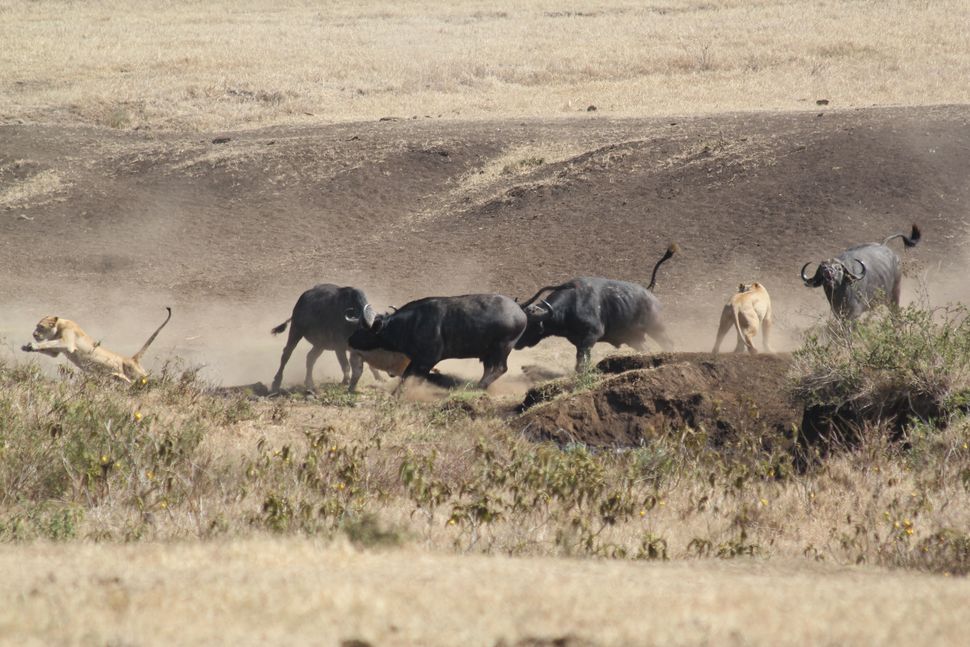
832	273
535	331
539	311
365	318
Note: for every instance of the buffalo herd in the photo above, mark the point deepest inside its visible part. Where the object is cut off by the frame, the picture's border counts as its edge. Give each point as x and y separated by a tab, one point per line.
411	340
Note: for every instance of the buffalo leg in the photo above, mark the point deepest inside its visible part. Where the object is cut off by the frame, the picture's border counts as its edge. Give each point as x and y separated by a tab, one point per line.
496	365
582	357
291	342
344	364
378	376
356	370
413	369
311	359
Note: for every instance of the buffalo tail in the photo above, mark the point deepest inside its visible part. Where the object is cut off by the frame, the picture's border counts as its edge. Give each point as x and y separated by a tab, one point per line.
280	328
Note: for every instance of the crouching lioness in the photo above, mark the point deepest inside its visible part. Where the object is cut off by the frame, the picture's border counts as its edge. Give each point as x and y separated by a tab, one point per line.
748	310
55	335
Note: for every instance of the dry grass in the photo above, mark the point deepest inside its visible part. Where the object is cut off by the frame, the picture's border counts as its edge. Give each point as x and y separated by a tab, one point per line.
35	188
299	591
279	490
219	65
168	461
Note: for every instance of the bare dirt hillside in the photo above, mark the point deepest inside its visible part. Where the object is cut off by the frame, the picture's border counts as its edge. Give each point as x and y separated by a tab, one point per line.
106	226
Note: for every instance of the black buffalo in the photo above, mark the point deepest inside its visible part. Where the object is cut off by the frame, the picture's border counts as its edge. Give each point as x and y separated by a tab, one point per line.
861	277
591	309
320	316
481	326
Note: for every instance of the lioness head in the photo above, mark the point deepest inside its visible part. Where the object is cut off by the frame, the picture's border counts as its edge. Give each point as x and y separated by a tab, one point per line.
46	329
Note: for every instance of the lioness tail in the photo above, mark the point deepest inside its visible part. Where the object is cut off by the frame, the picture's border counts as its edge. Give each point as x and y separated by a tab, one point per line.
137	356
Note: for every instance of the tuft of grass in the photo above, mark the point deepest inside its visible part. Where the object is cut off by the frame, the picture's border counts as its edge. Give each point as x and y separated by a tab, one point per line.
523	165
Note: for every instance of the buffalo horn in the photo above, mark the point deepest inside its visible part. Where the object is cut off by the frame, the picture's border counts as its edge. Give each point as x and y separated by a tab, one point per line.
810	282
369	315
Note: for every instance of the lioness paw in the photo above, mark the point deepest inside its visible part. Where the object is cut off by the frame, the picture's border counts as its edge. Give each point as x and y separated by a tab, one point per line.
27	348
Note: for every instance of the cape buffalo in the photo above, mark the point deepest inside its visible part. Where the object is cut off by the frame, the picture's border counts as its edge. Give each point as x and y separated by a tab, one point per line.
861	277
482	326
591	309
319	316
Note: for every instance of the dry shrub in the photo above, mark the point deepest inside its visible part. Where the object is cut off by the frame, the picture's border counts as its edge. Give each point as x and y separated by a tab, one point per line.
77	463
889	366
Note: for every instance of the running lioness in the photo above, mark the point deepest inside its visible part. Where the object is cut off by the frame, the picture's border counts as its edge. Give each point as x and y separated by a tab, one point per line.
56	335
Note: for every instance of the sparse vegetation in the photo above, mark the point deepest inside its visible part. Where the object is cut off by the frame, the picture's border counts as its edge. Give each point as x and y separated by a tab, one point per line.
888	368
81	459
215	66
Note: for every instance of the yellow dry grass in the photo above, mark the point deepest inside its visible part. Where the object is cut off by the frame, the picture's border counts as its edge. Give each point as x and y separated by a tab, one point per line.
220	65
297	591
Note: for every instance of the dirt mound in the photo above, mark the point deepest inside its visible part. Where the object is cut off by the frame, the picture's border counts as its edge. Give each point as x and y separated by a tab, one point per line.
726	395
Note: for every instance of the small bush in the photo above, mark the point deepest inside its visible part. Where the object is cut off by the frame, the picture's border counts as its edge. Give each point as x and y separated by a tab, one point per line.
888	366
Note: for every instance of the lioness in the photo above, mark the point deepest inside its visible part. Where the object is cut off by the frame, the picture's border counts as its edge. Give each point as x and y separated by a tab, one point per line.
749	308
55	335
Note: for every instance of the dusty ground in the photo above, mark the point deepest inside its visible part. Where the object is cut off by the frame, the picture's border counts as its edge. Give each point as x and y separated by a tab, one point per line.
298	591
230	233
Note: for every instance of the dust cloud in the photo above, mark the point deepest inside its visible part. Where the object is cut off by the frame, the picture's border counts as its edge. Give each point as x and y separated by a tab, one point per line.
229	341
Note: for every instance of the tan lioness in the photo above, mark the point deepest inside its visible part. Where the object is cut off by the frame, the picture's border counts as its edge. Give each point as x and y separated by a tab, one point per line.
748	310
56	335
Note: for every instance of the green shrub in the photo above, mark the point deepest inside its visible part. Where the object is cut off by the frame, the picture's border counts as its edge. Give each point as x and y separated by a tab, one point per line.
914	361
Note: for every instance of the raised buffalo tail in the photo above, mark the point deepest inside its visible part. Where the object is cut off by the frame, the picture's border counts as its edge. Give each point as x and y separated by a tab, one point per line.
914	237
137	356
280	328
671	250
538	294
909	241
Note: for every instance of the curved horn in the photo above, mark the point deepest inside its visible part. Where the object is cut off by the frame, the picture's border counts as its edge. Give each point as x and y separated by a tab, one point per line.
547	305
810	282
368	314
349	316
855	277
546	288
